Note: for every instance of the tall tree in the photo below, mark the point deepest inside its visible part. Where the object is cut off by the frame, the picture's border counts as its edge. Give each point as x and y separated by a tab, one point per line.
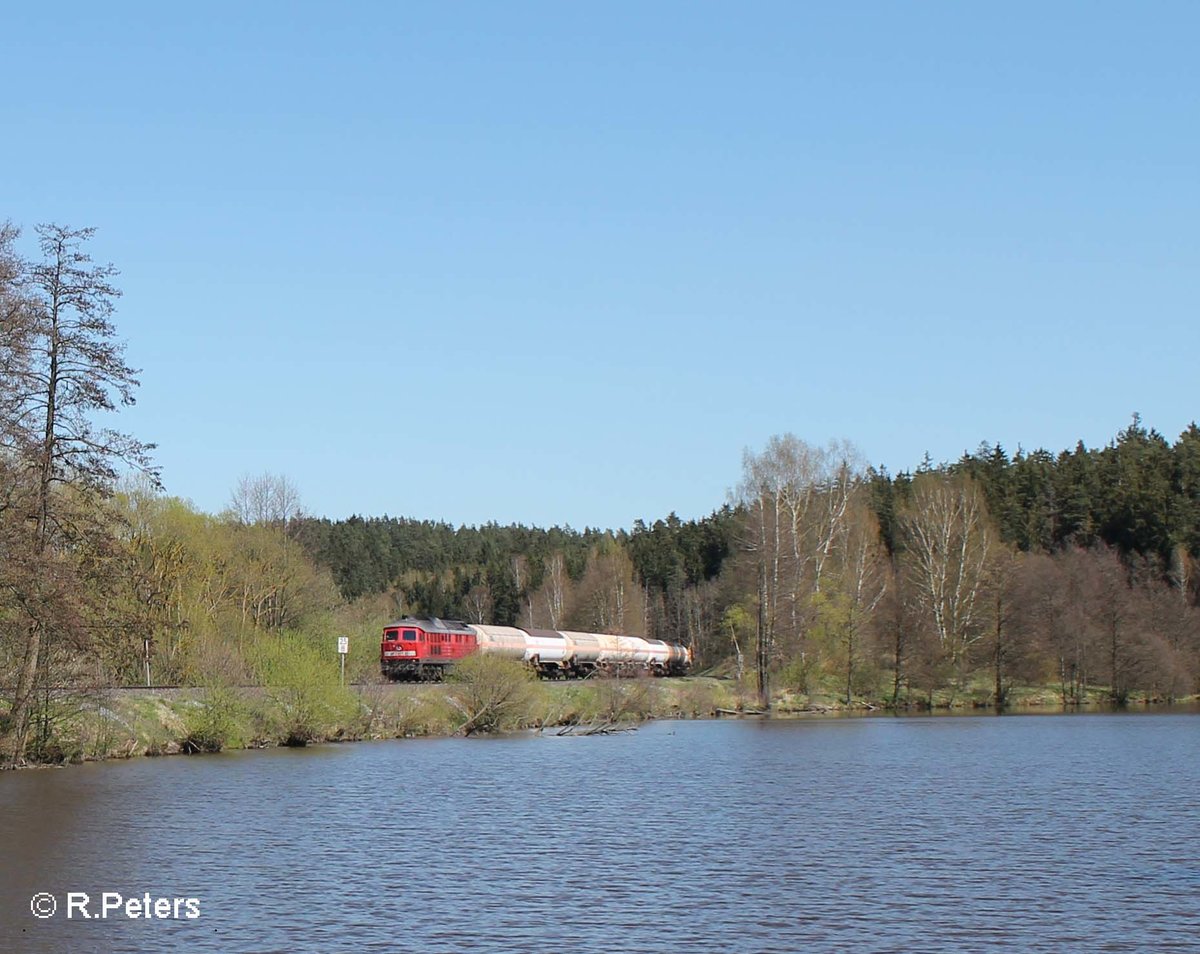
74	368
948	538
795	497
1185	516
862	582
1005	643
760	493
267	499
15	340
1137	472
505	597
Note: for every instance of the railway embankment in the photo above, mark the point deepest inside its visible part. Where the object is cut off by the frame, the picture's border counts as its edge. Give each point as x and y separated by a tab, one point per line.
102	724
124	723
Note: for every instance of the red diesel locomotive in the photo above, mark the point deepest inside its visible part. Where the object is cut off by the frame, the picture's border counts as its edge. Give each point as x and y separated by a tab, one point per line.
424	648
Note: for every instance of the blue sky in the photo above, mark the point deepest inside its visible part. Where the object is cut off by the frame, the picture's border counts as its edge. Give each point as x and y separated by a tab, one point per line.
560	263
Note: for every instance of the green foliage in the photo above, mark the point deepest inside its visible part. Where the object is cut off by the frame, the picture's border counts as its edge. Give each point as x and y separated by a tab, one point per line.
302	683
218	722
1139	494
493	693
673	558
425	714
506	598
795	674
432	563
737	629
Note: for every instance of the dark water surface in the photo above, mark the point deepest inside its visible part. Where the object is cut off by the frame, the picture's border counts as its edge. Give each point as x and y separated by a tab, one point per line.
1045	833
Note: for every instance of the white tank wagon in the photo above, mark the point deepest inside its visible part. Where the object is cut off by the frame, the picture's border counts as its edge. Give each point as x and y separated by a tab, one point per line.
611	656
605	652
506	641
637	650
583	651
679	660
659	654
548	652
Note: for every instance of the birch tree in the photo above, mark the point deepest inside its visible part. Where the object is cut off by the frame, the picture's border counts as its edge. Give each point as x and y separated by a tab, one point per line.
837	476
948	539
761	492
796	497
608	599
554	589
478	603
864	581
266	499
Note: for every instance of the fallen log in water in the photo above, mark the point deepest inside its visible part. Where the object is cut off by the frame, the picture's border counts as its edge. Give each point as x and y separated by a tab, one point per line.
596	728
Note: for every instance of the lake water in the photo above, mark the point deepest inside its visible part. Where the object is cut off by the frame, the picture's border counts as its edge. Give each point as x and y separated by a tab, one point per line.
1024	833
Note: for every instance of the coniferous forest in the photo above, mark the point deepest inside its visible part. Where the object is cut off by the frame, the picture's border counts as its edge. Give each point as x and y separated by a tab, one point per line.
1069	570
1076	569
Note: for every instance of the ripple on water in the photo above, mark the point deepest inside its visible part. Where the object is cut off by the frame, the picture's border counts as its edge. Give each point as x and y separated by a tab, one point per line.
1039	834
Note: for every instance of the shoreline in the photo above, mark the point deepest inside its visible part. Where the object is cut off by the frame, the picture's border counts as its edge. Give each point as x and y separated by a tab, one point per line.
116	725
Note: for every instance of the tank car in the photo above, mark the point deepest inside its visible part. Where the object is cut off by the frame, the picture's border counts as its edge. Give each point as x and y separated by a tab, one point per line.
547	651
426	648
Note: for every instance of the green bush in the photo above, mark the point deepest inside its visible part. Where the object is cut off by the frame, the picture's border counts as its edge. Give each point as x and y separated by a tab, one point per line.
307	702
493	693
425	715
795	675
216	723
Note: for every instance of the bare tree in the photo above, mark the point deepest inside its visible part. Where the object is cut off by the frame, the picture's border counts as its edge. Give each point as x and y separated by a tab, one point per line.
520	575
948	539
266	499
607	599
839	467
1053	611
555	586
1114	606
71	367
796	498
1006	637
761	493
864	581
16	340
478	602
895	627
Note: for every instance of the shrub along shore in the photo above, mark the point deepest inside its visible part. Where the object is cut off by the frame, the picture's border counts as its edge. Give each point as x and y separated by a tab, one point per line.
108	724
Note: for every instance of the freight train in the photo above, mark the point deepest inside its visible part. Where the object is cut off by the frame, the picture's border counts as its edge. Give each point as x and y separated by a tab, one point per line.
425	648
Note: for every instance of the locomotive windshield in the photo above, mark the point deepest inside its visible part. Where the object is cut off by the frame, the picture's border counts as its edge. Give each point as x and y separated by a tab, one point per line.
409	634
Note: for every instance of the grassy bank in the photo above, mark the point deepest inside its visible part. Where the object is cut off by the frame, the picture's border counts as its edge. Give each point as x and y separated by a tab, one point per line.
128	723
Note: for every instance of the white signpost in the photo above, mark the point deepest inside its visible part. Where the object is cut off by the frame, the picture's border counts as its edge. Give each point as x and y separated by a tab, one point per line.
343	648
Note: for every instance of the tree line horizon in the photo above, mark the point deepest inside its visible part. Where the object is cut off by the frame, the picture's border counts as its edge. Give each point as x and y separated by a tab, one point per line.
951	537
820	576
